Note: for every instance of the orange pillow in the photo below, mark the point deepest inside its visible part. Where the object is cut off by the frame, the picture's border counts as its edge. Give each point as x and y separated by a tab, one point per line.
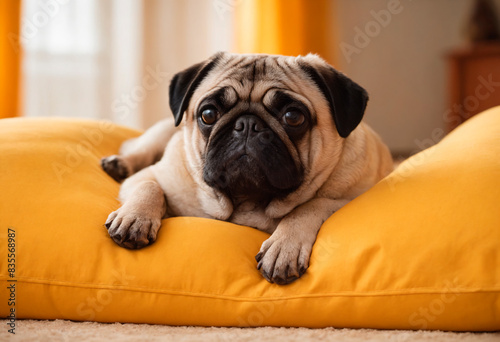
420	250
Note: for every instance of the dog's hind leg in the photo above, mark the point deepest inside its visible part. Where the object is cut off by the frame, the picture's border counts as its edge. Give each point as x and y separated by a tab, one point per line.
138	153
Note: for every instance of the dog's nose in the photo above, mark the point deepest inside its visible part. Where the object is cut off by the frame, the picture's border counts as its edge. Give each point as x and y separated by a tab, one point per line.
250	125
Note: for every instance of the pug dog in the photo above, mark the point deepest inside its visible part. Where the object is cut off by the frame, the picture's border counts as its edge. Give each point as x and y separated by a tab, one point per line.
271	142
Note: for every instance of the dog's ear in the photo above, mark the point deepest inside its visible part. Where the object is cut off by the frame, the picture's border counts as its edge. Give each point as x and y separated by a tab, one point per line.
347	100
184	84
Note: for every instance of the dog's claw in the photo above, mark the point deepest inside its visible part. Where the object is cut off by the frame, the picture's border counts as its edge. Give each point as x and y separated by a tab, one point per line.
258	257
266	276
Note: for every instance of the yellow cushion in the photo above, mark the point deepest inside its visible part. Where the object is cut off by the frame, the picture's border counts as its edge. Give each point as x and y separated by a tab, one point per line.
419	250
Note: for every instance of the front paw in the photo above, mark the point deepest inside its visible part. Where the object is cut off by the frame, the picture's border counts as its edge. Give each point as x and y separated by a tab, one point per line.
116	167
282	260
131	229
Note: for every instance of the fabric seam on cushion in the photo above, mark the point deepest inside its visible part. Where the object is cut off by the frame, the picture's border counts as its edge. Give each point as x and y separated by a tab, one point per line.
416	291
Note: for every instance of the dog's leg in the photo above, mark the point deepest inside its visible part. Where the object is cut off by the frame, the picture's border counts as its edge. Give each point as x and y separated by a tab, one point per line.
138	153
284	257
136	223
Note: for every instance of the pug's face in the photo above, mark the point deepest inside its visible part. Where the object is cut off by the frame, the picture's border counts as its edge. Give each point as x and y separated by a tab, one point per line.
261	126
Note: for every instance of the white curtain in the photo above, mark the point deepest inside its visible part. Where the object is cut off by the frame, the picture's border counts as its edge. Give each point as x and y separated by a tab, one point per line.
113	59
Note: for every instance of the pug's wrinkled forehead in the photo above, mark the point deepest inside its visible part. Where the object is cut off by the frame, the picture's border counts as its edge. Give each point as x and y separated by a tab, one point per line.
273	81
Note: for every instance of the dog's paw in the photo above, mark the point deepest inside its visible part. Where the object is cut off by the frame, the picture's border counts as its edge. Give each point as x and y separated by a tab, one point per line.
132	230
116	167
283	260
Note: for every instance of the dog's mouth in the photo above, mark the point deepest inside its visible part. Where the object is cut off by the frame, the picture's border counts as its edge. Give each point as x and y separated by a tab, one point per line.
250	165
245	177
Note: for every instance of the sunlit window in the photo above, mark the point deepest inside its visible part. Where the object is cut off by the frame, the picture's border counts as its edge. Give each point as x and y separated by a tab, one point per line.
61	26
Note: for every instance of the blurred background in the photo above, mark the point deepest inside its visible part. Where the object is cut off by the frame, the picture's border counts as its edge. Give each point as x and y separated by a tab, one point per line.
428	65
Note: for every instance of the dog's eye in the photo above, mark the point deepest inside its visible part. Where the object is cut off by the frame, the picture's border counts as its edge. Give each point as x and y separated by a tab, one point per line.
294	118
209	115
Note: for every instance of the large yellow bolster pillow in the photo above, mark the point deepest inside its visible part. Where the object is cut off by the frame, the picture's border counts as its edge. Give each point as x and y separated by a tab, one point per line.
420	250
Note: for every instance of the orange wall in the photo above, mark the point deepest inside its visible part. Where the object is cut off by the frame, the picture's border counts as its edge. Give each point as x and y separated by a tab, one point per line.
9	57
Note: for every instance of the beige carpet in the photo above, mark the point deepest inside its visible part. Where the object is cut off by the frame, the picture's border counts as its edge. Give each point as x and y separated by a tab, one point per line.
59	330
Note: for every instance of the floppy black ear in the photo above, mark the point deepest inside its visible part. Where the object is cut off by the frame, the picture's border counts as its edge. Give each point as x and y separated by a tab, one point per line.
185	83
347	100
